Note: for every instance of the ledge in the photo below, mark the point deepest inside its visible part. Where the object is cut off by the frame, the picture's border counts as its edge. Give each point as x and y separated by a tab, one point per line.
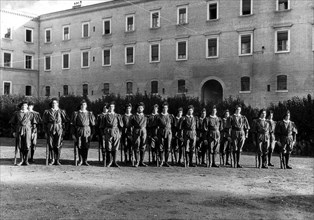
282	25
245	16
246	29
212	33
107	45
285	10
212	20
154	28
155	39
244	92
281	91
181	36
28	52
107	35
131	42
86	48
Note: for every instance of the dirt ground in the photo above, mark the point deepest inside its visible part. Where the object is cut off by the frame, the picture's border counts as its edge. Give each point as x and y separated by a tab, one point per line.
95	192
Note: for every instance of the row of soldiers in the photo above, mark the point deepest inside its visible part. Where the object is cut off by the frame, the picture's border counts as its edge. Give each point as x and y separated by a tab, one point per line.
181	136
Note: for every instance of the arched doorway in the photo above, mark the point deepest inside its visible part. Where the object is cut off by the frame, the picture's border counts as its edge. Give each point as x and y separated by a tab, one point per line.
212	91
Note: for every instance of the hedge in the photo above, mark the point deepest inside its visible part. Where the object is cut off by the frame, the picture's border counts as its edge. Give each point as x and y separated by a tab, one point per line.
302	111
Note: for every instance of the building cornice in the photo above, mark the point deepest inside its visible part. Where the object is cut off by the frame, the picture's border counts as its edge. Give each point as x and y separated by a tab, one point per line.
18	70
18	14
282	25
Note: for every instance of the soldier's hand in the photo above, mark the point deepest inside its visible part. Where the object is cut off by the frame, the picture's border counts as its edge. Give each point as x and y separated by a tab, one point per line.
33	135
246	135
73	137
279	144
14	134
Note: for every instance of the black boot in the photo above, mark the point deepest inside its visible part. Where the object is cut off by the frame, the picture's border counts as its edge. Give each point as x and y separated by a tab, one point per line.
269	158
58	152
191	159
80	155
25	156
85	156
166	158
52	154
282	161
161	158
114	156
238	159
222	156
287	161
264	162
209	159
214	160
227	159
110	159
259	161
137	162
142	155
31	160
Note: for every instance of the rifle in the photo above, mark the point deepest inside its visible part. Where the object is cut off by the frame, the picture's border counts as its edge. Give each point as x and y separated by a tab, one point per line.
104	156
121	151
16	146
75	160
149	152
99	145
47	152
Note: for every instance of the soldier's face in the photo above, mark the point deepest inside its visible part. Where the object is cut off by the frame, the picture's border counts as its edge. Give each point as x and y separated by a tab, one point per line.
140	109
128	110
263	114
238	110
190	111
165	109
155	110
271	115
83	106
203	115
227	114
288	116
180	113
55	104
111	108
24	107
214	112
104	109
30	108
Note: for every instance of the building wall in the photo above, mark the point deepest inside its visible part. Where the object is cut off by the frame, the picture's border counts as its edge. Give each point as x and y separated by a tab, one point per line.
17	74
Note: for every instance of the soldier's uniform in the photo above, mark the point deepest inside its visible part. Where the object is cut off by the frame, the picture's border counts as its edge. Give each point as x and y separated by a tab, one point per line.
177	138
139	122
286	132
53	124
152	139
164	134
261	134
100	129
239	129
272	140
36	130
113	124
83	123
225	135
127	136
23	125
201	142
189	124
212	126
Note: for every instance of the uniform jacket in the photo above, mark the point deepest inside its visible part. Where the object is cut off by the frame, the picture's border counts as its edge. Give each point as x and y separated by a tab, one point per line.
226	127
83	123
127	128
54	121
285	130
164	123
138	122
189	125
261	130
239	123
22	122
212	126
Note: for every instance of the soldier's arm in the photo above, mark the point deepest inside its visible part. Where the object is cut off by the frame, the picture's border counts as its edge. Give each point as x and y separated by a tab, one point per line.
13	122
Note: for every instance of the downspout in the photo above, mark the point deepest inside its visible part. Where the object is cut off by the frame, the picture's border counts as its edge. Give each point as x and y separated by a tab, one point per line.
38	60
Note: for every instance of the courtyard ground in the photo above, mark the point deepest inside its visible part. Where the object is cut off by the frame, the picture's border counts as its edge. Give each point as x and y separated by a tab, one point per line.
95	192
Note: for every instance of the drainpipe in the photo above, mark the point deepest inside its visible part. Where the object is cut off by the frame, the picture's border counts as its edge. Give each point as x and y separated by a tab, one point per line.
38	56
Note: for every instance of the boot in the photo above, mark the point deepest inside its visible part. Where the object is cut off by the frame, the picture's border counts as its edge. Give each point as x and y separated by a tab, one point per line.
175	156
166	159
269	158
137	159
287	161
209	159
264	161
52	157
238	159
80	155
187	158
222	156
191	159
180	156
25	158
259	161
114	156
85	155
58	156
214	160
227	159
161	158
125	157
282	161
142	155
31	160
104	158
110	159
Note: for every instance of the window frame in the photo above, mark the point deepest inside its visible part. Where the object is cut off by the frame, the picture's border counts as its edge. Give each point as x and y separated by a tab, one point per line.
151	19
125	54
127	88
63	87
32	63
245	91
207	54
11	61
241	8
28	86
83	89
208	13
32	35
82	59
88	29
277	6
179	91
108	89
10	92
69	59
45	62
48	87
63	36
186	17
103	59
282	90
103	26
126	22
151	87
48	29
186	50
276	41
151	52
251	43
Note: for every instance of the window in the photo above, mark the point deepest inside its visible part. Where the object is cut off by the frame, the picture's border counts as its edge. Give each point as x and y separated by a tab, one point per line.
85	29
129	23
182	15
154	87
7	33
7	88
85	59
28	90
28	62
129	55
282	41
154	53
7	59
129	88
47	91
212	11
245	84
66	61
48	35
182	50
155	19
282	5
85	89
106	57
29	35
246	7
107	26
47	63
106	89
181	86
246	44
282	82
65	90
66	33
212	47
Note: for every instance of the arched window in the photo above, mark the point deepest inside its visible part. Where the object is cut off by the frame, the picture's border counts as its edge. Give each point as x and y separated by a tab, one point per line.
282	82
65	90
154	87
181	86
85	89
129	88
47	91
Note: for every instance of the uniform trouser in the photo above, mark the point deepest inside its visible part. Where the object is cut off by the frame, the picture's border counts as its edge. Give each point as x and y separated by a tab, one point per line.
24	142
54	141
262	147
127	143
112	142
213	145
165	143
34	141
238	139
189	144
139	141
225	146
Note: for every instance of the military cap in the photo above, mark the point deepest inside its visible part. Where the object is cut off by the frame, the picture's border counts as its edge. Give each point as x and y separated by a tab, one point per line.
22	103
191	107
52	100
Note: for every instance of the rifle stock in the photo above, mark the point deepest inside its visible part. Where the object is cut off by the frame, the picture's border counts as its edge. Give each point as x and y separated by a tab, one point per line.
75	160
15	153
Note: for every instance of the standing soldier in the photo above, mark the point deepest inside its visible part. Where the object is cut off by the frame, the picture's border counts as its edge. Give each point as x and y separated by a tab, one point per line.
37	118
201	142
177	137
127	132
23	125
164	122
152	139
113	125
138	122
212	126
286	133
54	120
100	126
225	147
272	141
188	124
83	123
239	132
261	131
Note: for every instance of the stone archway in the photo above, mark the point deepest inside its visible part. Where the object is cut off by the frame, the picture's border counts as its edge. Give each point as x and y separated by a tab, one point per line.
211	91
